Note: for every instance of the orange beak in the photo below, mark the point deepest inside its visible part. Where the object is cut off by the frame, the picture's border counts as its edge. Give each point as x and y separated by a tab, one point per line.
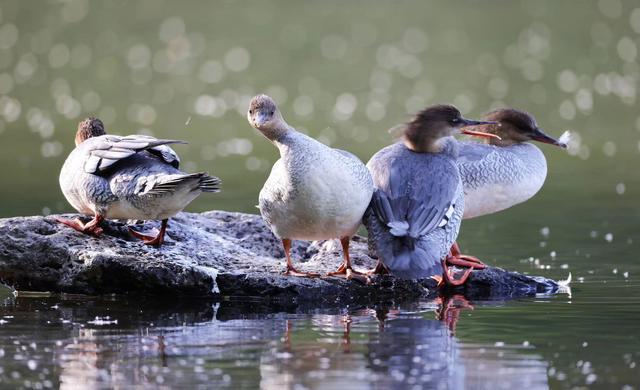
471	122
479	134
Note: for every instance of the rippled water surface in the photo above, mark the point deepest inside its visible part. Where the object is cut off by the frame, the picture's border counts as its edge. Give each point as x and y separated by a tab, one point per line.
344	73
447	343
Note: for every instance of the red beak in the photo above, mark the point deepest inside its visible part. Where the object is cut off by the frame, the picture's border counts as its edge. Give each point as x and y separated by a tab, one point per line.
540	136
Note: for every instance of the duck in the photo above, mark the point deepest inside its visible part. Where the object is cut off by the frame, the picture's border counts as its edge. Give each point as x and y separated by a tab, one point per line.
418	202
314	192
504	171
134	177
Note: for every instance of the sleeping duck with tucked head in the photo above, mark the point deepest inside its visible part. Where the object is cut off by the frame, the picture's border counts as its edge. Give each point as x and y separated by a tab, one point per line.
127	177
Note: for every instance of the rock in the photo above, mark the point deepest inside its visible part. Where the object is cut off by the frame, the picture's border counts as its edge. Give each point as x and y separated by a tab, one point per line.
211	254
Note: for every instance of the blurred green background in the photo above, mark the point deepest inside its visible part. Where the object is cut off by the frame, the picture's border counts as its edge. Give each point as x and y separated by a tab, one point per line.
342	71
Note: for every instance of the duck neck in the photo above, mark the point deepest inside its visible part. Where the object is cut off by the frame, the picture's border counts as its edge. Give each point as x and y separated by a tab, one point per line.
426	144
283	137
500	142
508	135
277	129
85	133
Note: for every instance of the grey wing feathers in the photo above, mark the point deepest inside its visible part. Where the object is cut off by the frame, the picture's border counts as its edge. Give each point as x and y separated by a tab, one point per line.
415	194
423	220
406	216
167	154
164	152
193	181
382	207
109	149
407	257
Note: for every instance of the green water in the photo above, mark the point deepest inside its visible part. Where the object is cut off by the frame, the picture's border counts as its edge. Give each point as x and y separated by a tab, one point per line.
344	73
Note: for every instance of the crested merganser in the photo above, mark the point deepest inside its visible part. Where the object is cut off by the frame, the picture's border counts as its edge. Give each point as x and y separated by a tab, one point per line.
418	203
314	192
132	177
504	172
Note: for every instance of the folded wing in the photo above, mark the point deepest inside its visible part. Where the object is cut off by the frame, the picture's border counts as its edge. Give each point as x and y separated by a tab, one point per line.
106	150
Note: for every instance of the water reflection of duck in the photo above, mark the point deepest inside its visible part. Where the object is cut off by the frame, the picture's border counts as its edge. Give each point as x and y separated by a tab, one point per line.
418	204
347	350
416	352
314	192
132	177
81	363
506	171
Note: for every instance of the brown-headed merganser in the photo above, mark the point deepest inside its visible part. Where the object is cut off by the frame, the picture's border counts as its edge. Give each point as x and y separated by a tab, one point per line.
418	203
503	172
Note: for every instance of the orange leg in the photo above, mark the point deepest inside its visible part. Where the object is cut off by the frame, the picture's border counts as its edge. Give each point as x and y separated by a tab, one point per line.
162	350
92	227
447	279
379	269
286	340
346	335
461	260
150	240
291	270
346	270
449	310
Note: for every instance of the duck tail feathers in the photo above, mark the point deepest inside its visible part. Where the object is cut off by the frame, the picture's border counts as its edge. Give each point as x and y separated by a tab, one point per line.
389	214
402	216
209	183
412	263
396	228
193	181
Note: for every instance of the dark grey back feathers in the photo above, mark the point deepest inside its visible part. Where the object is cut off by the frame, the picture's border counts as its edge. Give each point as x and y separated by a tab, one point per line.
108	151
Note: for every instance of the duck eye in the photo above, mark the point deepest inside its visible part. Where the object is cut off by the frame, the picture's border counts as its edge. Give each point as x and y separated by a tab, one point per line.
250	112
455	120
271	113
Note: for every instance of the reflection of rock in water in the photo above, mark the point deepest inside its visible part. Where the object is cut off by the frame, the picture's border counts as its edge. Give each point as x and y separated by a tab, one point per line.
95	359
214	355
191	349
247	346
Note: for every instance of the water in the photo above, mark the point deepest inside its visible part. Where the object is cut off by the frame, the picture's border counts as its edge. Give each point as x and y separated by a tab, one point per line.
538	342
344	74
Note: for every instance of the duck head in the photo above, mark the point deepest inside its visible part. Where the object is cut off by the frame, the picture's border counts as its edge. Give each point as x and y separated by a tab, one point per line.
90	127
426	131
265	117
515	127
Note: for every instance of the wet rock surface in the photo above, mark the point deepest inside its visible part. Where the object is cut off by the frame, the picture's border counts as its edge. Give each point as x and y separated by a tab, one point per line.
212	254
